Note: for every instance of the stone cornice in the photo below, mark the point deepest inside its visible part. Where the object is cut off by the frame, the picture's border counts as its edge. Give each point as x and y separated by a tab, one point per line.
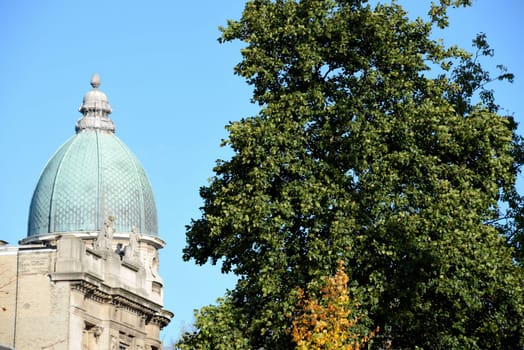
152	312
162	318
157	242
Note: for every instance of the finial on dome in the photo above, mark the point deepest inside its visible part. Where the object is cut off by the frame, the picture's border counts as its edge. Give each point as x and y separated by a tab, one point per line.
95	109
95	81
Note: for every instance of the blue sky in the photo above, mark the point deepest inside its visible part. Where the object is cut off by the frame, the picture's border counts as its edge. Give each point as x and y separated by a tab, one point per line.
172	90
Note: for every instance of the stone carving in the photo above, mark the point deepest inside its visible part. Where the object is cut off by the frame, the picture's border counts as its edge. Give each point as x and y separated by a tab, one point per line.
114	343
153	265
131	251
108	225
97	332
104	240
90	336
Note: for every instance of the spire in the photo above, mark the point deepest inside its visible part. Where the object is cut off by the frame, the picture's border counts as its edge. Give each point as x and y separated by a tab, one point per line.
95	109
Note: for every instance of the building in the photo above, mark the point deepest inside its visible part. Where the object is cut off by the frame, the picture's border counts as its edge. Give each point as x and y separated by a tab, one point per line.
86	276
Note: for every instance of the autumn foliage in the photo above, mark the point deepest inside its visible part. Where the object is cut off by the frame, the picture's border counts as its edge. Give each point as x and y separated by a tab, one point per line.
331	321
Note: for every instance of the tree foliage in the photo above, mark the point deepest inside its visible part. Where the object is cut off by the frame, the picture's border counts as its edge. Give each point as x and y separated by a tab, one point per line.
215	329
331	321
377	145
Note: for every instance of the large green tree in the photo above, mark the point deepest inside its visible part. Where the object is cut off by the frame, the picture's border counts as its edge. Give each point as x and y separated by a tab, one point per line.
374	144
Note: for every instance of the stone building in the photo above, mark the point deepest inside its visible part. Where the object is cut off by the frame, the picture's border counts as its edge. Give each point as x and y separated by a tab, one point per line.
86	276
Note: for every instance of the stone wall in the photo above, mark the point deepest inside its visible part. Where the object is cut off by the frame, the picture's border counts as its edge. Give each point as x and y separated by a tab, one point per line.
35	305
8	258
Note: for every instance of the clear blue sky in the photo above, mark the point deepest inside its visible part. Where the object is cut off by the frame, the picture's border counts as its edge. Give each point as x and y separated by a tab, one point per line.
172	89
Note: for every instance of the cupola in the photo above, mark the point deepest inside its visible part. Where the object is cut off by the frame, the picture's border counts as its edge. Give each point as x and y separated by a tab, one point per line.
91	177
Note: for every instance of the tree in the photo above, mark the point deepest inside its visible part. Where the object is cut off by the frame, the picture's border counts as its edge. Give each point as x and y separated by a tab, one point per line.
215	329
370	146
331	321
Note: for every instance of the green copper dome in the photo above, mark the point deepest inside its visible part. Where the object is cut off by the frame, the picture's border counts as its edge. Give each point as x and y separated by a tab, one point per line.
91	177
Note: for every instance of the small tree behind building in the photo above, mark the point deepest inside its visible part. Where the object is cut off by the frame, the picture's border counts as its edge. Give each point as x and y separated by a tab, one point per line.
331	321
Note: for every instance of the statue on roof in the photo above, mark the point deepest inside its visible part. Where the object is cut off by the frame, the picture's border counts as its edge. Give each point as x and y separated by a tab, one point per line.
131	251
104	240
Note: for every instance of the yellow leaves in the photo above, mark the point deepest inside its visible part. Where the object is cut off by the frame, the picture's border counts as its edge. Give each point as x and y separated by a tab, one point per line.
331	321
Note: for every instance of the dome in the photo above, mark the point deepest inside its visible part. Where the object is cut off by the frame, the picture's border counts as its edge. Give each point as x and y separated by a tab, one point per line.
92	176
